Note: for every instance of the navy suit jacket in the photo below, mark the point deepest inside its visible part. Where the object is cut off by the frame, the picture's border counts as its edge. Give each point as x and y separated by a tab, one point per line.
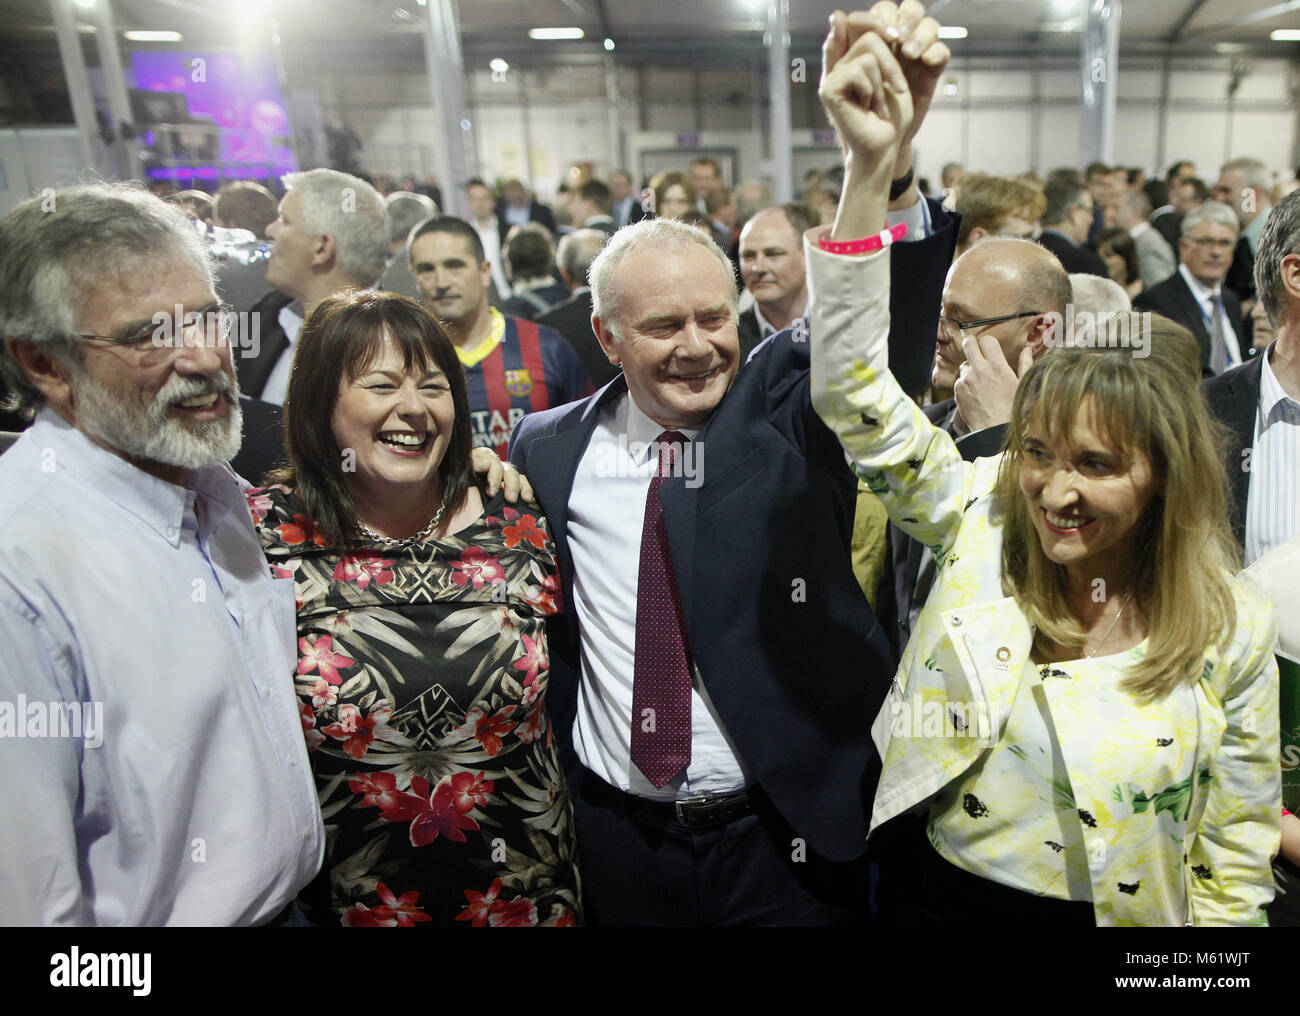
792	656
1234	399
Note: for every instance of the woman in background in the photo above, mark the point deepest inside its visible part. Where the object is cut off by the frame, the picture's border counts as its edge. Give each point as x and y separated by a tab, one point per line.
421	612
1119	252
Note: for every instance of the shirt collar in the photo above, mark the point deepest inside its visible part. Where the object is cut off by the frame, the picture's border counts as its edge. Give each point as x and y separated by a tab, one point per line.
641	430
1139	229
766	328
1199	289
1271	392
160	505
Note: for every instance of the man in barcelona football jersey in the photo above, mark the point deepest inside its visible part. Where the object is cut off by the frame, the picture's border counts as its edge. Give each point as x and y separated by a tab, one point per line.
513	367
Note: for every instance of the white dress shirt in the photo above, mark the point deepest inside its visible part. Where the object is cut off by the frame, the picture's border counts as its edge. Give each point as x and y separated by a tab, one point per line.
1204	297
490	235
277	382
1273	501
606	514
153	602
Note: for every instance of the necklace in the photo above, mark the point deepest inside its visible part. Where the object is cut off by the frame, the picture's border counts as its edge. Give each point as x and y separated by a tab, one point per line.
1118	614
388	541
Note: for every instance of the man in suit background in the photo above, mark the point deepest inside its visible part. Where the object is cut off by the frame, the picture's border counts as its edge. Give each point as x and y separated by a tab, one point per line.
332	234
572	318
1259	401
720	756
517	207
1184	195
1156	260
772	267
625	201
1195	296
405	211
591	204
1002	289
1067	218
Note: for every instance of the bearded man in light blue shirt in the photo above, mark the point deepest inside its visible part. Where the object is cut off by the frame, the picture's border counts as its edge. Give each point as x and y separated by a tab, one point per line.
154	761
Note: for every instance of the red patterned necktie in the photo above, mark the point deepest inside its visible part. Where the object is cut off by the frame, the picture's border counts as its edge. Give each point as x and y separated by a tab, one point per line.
661	688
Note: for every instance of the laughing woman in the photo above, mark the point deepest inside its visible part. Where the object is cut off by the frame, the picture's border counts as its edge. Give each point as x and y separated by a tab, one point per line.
422	653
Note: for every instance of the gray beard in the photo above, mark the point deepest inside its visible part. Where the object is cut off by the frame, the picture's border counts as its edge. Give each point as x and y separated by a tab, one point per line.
144	430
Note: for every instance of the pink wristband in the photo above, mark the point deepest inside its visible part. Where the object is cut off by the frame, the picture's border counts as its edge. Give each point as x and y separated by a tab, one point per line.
887	236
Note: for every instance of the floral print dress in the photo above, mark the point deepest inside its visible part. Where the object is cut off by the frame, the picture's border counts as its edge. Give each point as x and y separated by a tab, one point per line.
422	680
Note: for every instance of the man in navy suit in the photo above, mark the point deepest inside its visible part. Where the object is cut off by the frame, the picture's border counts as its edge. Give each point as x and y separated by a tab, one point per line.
717	668
1196	297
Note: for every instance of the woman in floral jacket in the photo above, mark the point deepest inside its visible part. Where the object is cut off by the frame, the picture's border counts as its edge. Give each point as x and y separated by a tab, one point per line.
1087	708
422	652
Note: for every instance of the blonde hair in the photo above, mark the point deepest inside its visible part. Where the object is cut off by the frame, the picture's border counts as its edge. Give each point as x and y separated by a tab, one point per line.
987	201
1185	553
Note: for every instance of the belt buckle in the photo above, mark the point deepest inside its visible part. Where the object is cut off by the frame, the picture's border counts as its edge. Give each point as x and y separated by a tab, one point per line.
681	804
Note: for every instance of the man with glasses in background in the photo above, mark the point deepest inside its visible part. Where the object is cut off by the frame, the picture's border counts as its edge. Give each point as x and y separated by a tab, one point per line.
155	767
1066	221
1195	295
1003	290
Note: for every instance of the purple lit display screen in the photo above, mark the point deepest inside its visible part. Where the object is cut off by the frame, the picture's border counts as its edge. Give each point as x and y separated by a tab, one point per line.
240	95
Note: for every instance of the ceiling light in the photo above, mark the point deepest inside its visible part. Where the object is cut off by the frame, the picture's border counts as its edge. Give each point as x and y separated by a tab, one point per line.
86	5
1065	6
609	44
951	32
1285	35
498	65
555	33
950	88
152	36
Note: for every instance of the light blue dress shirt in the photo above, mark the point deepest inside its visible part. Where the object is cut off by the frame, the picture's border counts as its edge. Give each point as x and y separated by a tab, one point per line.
150	604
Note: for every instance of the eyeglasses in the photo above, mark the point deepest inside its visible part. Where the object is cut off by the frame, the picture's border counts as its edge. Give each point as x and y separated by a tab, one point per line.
1206	242
156	341
949	324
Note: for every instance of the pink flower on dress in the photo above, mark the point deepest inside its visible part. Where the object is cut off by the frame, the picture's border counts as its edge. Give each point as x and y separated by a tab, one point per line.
323	694
320	656
546	596
534	725
431	815
378	790
476	565
468	791
300	530
259	503
357	731
520	912
313	736
480	905
527	529
534	658
393	912
488	729
364	567
568	919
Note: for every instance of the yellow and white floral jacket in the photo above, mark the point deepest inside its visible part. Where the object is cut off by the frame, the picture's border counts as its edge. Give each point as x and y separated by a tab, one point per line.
1203	846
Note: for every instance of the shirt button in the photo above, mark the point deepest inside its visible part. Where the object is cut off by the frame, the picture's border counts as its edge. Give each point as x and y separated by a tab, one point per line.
171	533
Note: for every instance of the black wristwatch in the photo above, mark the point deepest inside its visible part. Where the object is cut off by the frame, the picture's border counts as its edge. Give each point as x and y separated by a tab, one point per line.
900	185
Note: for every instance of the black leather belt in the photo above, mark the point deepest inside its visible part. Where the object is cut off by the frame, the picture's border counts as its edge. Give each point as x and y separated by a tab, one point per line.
701	812
705	811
